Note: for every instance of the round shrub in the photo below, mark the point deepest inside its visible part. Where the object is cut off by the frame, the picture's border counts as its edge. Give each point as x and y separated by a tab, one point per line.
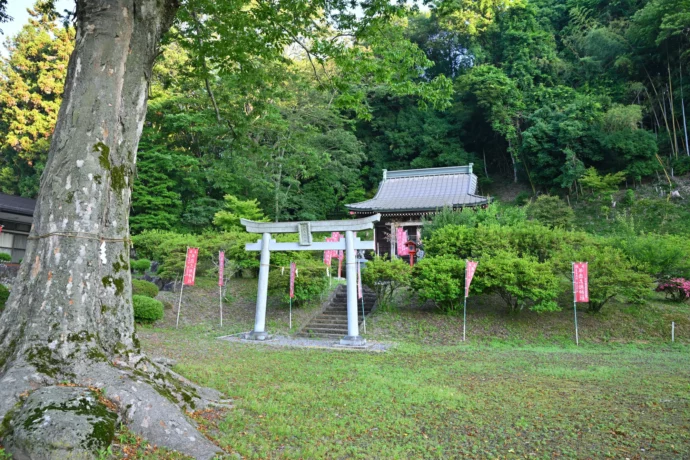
145	288
4	257
551	211
676	289
146	309
385	277
140	265
520	281
4	294
440	279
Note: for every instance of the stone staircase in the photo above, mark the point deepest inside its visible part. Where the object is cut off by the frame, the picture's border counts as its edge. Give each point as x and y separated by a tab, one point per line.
331	322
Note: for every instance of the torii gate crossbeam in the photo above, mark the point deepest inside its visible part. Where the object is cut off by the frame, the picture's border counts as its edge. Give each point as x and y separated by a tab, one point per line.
350	245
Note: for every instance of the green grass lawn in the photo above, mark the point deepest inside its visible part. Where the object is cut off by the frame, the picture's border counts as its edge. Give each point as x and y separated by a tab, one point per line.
416	401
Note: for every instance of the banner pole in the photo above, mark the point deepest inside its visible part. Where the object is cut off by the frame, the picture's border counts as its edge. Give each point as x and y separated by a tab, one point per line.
179	305
577	339
464	317
364	318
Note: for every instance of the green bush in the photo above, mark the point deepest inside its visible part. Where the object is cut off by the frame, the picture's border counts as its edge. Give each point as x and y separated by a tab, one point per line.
494	214
170	249
661	256
146	309
659	215
440	279
4	257
551	211
4	295
452	240
140	265
536	240
386	277
526	238
520	281
445	217
610	274
629	197
310	283
468	242
523	198
145	288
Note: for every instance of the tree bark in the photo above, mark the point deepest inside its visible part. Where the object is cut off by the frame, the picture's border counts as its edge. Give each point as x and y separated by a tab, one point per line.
70	315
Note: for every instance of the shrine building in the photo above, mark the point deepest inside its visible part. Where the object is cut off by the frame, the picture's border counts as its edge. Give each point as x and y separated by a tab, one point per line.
405	197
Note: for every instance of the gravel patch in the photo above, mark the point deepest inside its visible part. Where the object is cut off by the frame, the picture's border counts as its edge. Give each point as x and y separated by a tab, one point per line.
301	342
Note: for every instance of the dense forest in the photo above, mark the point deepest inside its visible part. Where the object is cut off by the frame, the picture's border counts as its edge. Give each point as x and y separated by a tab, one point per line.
536	92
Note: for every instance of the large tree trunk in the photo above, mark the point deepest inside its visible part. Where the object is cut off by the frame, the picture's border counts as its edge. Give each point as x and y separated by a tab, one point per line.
70	315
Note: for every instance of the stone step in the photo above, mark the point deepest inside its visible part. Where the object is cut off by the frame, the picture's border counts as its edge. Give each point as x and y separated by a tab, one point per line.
325	330
329	320
331	323
334	320
326	326
344	296
344	304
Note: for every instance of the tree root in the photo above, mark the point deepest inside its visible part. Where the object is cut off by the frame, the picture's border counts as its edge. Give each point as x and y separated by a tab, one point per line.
150	398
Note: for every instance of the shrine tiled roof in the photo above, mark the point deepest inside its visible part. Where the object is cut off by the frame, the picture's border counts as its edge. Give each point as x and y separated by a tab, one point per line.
424	190
17	204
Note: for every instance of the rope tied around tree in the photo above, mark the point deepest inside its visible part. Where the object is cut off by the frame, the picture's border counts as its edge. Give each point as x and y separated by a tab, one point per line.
82	235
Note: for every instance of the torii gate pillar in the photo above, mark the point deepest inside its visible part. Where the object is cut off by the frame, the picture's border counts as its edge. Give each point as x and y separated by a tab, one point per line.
259	332
350	245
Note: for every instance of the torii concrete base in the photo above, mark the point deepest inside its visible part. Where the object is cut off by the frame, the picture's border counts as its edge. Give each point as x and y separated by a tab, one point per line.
353	341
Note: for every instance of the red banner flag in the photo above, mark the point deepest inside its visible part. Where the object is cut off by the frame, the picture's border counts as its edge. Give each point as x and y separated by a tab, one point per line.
470	268
401	238
190	266
339	254
221	267
328	253
580	282
293	270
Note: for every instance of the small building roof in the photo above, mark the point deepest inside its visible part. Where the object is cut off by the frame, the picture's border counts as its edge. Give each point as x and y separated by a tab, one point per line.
424	190
17	204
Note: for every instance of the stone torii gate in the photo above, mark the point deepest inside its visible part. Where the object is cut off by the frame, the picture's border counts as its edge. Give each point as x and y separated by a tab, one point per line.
305	229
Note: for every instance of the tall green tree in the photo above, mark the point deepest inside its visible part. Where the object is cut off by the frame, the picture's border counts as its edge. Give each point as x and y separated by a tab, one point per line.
31	83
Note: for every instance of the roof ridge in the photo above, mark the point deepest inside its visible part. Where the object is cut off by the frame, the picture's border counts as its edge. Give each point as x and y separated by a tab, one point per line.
427	172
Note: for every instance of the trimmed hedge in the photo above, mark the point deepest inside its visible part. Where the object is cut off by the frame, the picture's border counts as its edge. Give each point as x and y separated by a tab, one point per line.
146	309
140	265
4	257
145	288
